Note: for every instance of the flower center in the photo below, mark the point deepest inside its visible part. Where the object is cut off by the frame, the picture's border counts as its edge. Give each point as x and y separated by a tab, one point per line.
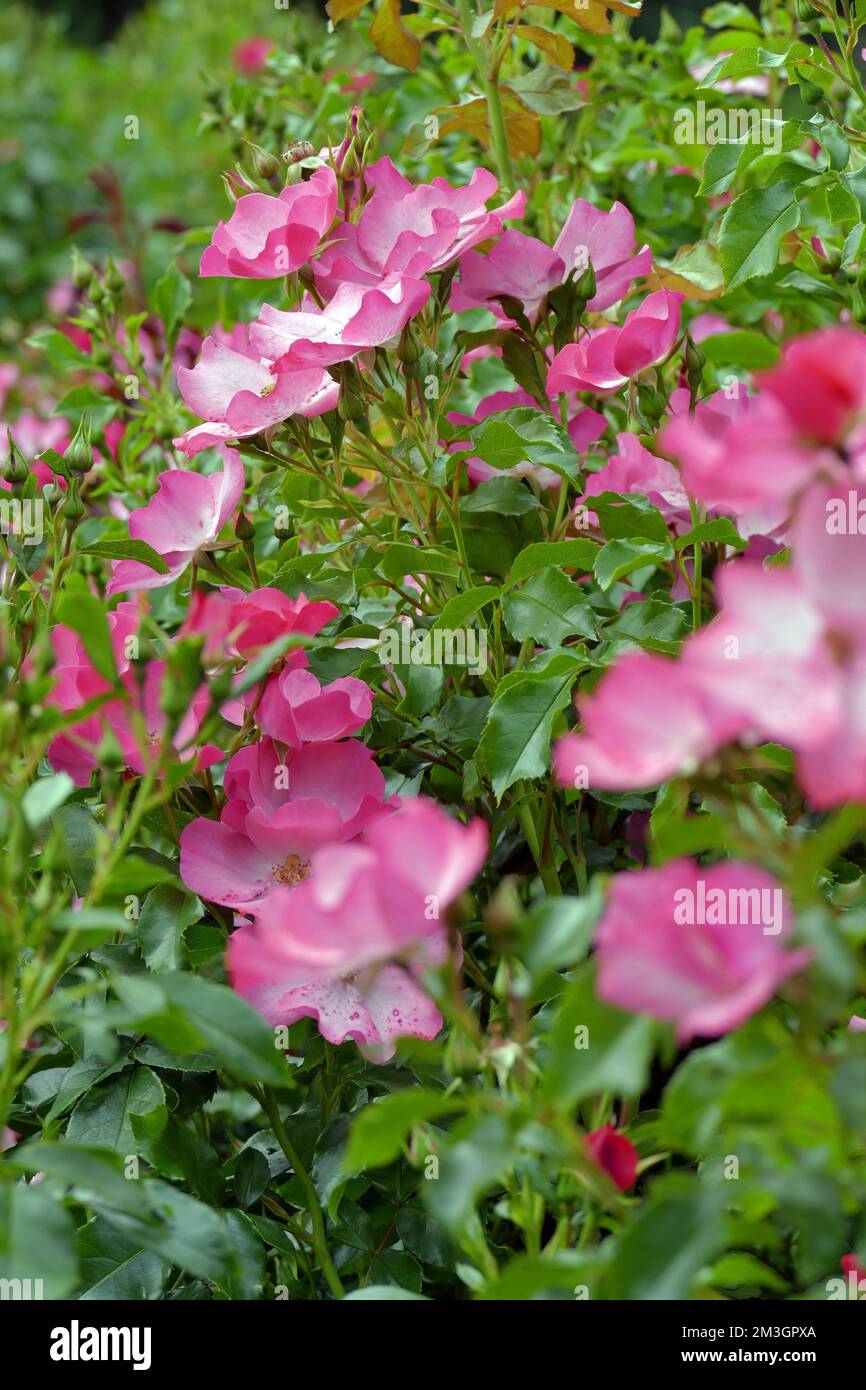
293	870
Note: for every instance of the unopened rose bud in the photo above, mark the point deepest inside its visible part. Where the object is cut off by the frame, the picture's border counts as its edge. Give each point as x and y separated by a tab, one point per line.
244	529
265	163
113	279
79	454
72	508
585	285
82	270
109	754
16	470
693	362
409	347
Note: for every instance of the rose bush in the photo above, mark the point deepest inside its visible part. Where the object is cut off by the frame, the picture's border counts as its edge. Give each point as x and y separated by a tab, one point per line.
434	728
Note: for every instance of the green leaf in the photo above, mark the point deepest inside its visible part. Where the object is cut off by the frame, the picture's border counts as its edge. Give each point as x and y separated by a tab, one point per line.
474	1162
113	1267
218	1021
577	554
834	143
747	61
741	348
401	559
720	531
677	1232
526	435
620	557
549	607
166	913
45	796
612	1054
465	605
378	1134
631	517
752	228
516	738
171	298
103	1117
652	623
739	1269
557	932
36	1239
547	91
84	613
505	496
252	1175
126	550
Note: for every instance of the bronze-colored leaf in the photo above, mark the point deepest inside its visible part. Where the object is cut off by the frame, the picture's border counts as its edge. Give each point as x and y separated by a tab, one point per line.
694	272
522	127
391	37
344	9
554	46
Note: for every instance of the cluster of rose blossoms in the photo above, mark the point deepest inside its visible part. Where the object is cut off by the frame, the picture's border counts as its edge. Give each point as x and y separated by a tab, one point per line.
340	891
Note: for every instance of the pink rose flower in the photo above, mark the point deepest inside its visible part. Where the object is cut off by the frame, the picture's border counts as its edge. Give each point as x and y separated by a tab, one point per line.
250	55
185	515
278	812
349	944
606	241
615	1155
700	947
634	469
356	319
295	709
527	269
267	236
236	624
740	456
606	359
647	720
412	230
821	383
239	395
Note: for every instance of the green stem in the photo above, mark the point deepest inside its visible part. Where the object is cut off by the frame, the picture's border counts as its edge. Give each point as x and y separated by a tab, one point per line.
490	88
317	1219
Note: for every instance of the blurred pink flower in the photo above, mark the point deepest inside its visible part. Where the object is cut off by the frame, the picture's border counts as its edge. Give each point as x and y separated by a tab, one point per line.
250	55
701	947
646	721
821	383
